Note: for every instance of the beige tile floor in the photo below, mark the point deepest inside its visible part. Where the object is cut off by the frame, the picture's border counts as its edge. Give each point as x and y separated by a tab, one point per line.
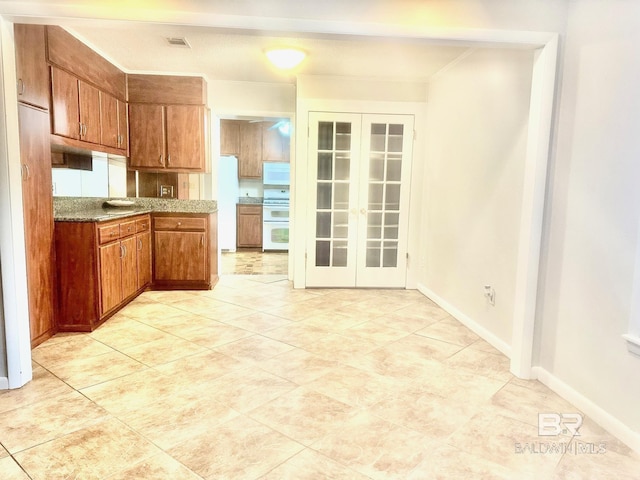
256	380
254	262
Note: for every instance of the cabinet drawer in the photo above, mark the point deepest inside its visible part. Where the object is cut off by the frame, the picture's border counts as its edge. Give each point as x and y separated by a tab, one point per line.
108	233
250	209
127	228
180	223
142	225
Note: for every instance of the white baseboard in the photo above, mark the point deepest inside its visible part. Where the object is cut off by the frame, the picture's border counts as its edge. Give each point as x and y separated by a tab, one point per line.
468	322
4	383
590	409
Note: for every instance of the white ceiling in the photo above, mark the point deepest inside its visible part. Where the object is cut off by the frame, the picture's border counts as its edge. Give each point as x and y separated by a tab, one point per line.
238	54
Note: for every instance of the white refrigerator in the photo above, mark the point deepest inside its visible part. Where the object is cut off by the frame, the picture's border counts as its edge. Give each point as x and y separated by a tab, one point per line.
228	193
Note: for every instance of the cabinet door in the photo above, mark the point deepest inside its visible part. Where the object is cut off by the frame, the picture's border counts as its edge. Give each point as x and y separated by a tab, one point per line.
250	159
31	65
229	137
38	219
110	276
143	258
275	145
180	256
129	267
64	102
123	126
89	101
147	148
185	137
249	226
108	120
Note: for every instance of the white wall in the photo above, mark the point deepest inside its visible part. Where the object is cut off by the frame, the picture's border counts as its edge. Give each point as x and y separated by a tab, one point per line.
250	98
593	207
3	354
69	182
477	117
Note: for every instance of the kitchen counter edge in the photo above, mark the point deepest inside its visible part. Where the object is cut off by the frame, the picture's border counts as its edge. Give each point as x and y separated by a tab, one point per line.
100	213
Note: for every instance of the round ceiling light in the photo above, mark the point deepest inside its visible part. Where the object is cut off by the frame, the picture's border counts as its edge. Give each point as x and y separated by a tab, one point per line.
285	58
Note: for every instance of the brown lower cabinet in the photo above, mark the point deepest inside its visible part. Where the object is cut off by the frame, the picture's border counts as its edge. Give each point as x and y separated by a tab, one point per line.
249	226
184	251
101	266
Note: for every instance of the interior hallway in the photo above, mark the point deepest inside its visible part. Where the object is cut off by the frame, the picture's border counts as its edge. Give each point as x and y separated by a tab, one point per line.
256	380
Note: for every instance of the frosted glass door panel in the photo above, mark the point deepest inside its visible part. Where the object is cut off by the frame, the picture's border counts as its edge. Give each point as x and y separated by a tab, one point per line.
384	188
334	145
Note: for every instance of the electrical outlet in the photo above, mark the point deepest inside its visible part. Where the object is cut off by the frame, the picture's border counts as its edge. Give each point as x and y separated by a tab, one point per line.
490	294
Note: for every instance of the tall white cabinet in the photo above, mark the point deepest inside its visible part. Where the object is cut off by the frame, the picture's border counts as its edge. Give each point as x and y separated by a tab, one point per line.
359	173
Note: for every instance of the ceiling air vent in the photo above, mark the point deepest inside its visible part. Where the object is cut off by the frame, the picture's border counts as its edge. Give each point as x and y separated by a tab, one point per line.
178	42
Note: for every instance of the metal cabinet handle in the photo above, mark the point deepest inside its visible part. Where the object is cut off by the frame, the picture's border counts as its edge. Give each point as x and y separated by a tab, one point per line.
202	240
363	211
113	234
26	167
80	129
139	244
20	86
122	251
161	162
169	159
179	223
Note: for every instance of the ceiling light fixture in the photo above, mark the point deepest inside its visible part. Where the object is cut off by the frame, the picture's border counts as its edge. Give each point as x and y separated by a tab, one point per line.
285	58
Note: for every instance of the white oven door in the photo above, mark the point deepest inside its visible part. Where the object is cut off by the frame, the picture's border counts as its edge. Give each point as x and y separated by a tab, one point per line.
275	235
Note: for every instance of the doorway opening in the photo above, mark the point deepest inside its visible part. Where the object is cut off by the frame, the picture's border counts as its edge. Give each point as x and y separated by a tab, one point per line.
254	195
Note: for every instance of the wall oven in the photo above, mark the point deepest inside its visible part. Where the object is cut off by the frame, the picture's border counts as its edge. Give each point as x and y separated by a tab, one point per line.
275	210
275	219
275	227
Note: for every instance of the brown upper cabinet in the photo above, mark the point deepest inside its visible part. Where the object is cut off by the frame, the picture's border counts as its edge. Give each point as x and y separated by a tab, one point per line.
113	122
167	137
167	123
253	143
250	158
87	96
31	65
76	107
229	137
275	145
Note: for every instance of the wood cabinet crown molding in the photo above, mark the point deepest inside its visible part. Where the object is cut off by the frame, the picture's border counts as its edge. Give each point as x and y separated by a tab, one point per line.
70	54
167	89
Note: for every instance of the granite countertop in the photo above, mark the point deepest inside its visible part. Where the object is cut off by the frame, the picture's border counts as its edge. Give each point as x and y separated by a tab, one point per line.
250	200
75	209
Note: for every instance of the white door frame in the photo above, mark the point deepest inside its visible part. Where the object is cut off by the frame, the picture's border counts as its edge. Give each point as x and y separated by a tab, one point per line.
540	122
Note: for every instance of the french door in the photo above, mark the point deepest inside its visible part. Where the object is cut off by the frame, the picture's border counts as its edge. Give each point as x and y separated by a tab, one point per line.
359	175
